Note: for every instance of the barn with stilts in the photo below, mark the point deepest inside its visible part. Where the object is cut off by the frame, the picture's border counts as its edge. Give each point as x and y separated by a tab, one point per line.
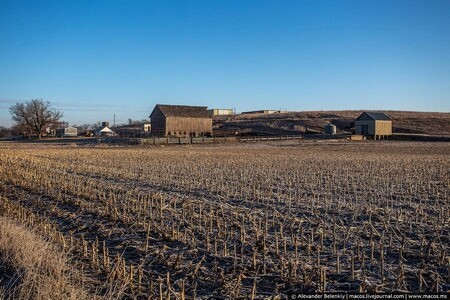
375	125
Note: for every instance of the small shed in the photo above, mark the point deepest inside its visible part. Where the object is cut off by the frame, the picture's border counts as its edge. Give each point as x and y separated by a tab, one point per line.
67	131
330	129
180	121
374	125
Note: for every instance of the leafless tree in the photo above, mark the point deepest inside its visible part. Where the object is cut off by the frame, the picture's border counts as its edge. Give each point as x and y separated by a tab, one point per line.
34	115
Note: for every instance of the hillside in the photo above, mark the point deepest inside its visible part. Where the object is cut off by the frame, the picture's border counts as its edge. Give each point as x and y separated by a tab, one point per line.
432	123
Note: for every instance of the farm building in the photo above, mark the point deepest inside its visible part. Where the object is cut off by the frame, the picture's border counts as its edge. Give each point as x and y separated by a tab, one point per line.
264	111
221	111
67	131
180	121
104	130
373	125
134	130
330	129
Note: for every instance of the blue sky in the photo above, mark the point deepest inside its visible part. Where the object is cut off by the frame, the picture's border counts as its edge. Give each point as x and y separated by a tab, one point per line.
93	59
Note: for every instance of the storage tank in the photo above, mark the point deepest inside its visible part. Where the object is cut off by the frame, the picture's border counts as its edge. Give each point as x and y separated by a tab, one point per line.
330	129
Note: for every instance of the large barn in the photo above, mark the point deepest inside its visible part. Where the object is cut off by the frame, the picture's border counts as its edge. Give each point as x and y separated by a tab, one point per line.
375	125
180	121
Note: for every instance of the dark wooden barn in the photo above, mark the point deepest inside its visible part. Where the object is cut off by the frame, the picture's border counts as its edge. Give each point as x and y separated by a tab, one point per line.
180	121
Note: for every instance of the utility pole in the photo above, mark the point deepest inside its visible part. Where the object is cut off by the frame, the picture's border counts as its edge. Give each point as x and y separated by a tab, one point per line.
114	123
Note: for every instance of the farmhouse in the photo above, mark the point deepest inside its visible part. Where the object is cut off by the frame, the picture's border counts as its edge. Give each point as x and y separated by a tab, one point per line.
373	125
180	121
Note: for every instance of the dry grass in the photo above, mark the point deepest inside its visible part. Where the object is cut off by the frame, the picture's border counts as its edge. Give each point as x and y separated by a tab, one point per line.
36	269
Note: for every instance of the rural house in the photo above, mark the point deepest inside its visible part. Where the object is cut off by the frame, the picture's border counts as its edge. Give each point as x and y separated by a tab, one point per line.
373	125
180	121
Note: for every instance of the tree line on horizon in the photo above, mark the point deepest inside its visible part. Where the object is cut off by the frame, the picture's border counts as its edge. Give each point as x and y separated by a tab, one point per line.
31	118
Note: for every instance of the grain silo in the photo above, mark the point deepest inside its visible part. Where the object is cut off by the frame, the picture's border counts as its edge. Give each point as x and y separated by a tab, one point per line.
330	129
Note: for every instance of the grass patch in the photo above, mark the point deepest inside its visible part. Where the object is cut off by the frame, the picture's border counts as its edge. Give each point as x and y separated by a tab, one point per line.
32	268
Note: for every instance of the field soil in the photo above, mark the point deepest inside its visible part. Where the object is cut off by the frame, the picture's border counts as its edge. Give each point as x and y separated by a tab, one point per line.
232	221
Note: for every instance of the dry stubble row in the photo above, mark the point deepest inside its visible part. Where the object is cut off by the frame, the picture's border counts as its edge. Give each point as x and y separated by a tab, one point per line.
236	221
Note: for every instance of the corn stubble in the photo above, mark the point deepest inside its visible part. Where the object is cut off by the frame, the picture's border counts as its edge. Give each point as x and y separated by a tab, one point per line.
239	221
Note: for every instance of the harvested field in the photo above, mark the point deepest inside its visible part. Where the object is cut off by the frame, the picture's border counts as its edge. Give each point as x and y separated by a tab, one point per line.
239	221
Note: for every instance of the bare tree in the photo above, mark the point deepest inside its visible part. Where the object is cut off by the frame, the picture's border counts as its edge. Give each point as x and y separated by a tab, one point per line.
34	115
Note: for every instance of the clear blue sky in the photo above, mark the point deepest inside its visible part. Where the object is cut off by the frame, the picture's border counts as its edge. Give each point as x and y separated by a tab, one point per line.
92	59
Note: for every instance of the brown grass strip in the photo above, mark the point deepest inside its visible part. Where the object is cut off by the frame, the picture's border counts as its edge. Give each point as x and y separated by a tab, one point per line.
32	267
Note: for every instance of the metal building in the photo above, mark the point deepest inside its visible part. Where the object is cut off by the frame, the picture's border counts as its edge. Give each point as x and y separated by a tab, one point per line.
67	131
180	121
221	111
264	111
374	125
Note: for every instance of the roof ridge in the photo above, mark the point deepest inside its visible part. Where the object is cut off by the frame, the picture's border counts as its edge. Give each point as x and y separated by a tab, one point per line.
183	110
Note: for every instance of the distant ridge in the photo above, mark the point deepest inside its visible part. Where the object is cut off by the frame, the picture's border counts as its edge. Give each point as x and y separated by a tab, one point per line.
432	123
